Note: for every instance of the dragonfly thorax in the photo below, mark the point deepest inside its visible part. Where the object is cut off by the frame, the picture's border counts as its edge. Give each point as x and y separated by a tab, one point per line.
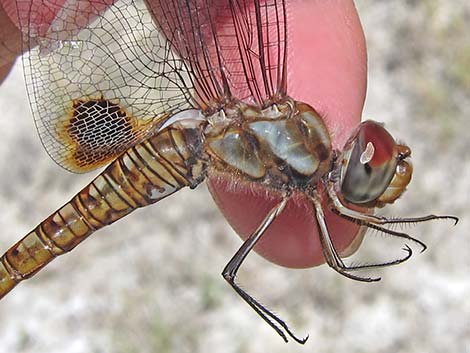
283	146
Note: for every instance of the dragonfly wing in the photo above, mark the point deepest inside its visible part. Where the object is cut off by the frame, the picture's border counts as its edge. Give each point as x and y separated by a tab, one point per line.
235	48
100	78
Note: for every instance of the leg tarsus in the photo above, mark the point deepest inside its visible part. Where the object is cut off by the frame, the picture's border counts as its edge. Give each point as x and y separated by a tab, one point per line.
407	249
342	210
269	317
329	252
344	271
230	271
397	234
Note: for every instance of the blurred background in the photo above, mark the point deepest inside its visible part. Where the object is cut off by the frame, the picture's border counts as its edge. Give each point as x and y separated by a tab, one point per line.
151	283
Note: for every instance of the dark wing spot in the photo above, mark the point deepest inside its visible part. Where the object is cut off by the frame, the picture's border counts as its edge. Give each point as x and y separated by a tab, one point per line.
99	130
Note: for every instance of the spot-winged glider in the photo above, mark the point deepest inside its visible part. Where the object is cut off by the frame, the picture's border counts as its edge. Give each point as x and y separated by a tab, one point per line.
171	93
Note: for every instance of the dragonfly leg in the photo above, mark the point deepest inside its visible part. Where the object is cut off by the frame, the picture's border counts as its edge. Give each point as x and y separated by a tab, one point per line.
230	271
329	252
374	222
407	256
346	212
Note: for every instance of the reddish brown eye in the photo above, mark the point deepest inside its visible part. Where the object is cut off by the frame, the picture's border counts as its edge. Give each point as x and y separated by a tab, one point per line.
369	163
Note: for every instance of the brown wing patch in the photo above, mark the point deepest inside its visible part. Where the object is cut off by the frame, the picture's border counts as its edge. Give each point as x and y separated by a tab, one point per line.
117	66
96	131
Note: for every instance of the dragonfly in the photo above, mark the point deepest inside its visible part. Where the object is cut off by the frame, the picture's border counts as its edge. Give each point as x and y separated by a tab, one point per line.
167	96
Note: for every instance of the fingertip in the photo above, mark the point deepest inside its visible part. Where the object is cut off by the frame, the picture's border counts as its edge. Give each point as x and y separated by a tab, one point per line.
328	62
327	68
10	39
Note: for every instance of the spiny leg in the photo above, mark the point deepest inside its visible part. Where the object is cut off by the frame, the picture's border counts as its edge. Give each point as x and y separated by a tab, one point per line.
230	271
331	255
342	210
385	231
335	261
398	261
373	222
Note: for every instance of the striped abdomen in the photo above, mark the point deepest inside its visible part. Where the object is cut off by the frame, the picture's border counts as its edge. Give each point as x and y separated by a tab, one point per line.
143	175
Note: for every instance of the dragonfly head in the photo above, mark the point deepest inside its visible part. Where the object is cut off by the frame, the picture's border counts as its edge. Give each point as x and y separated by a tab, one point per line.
374	169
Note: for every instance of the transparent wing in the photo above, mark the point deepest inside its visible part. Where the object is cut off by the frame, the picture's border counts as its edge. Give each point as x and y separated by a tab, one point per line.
102	76
100	79
235	48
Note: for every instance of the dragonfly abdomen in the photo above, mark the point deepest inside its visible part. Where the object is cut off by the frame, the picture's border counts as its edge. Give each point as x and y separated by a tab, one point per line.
144	174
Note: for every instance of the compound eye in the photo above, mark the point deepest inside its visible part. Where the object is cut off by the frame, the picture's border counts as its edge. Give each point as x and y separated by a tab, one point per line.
369	163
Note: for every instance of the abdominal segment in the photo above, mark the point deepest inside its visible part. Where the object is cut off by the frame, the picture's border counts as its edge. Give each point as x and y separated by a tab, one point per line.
144	174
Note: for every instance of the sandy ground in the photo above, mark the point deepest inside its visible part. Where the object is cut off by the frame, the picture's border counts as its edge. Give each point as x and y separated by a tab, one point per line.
151	282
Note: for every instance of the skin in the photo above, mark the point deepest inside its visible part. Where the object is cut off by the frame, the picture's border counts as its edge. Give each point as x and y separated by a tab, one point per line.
10	44
327	68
